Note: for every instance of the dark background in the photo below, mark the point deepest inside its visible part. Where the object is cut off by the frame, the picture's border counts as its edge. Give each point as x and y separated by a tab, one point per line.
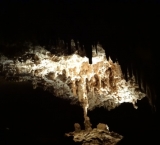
129	32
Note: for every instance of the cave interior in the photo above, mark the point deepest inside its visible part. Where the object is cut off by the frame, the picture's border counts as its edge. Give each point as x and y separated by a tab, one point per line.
129	33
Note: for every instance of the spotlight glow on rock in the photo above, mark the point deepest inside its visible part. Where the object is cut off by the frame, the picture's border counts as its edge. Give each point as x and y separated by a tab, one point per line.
93	85
72	77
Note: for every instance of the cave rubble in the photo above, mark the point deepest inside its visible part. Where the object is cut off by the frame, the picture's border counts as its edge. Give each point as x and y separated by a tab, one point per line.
96	136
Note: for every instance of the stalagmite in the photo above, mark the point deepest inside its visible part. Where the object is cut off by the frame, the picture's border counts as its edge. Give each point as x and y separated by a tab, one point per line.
72	77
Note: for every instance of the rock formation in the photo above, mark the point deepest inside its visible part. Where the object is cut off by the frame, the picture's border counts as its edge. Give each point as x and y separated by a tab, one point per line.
72	77
98	136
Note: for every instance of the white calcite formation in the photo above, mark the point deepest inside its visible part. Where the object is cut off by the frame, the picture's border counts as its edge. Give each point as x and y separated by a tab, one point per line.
72	77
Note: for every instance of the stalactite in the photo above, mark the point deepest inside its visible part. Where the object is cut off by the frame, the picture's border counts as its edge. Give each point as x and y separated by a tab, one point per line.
96	84
39	64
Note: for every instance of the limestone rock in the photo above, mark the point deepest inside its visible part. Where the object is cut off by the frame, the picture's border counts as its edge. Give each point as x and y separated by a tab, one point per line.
102	126
72	77
96	136
77	127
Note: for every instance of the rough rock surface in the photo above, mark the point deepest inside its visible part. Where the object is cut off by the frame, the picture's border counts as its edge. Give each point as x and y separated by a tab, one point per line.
72	77
97	136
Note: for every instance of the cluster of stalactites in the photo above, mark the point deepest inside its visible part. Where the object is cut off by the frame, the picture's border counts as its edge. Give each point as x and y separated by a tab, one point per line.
72	77
143	84
65	48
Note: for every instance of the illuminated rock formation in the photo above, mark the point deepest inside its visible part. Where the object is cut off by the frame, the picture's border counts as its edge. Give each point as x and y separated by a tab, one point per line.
97	136
72	77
